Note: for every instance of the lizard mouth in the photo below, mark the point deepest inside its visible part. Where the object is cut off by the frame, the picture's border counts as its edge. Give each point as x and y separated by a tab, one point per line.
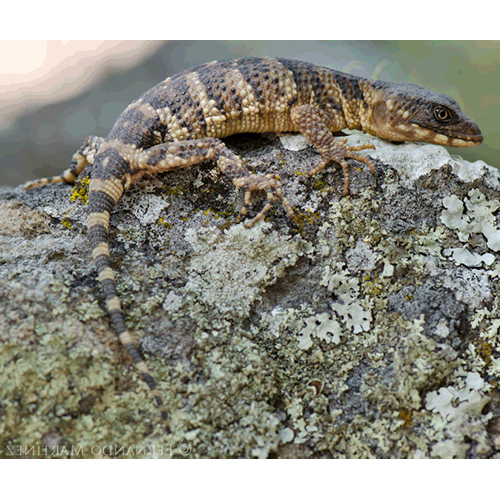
469	136
466	135
466	141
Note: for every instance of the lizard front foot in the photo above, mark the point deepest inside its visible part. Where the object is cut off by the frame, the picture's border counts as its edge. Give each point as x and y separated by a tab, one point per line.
338	154
268	183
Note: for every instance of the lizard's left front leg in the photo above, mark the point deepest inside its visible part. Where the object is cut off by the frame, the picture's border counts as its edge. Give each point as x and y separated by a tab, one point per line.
174	155
311	123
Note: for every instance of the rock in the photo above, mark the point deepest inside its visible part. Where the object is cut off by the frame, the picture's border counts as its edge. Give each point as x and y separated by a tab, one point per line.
364	327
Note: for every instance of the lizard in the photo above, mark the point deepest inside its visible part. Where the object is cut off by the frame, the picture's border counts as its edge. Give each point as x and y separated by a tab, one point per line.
180	123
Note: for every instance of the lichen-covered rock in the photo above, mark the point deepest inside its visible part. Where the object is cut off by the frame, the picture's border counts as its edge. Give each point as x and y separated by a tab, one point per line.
365	327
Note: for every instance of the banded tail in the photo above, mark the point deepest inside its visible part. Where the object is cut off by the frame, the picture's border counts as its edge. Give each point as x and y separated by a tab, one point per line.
103	195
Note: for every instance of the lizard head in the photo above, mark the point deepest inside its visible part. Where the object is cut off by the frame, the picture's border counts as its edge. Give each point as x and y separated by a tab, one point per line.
407	112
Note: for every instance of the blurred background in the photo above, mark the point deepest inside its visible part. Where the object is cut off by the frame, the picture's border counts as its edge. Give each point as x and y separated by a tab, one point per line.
53	94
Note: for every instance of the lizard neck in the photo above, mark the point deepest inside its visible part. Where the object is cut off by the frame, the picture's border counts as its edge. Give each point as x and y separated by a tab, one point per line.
373	92
352	98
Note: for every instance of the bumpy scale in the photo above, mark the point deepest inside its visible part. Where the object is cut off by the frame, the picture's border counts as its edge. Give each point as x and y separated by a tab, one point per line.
179	123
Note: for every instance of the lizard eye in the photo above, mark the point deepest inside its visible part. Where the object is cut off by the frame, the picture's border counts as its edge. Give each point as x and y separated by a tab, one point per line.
441	114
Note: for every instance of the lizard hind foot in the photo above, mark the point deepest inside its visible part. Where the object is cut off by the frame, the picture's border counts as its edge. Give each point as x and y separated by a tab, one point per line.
268	183
44	182
68	176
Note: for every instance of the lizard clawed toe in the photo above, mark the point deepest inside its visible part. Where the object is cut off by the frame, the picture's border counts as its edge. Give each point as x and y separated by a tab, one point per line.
338	153
268	183
181	122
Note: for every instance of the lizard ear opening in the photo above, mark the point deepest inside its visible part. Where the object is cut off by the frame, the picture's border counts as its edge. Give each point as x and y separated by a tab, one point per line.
382	123
380	115
390	124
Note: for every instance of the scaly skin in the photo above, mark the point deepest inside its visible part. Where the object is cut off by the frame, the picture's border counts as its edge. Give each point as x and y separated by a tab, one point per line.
180	121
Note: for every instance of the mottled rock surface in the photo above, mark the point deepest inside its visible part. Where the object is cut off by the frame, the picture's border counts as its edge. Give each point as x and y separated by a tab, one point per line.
365	327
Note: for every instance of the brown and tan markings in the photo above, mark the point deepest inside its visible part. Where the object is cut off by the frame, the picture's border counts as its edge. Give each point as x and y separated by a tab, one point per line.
180	122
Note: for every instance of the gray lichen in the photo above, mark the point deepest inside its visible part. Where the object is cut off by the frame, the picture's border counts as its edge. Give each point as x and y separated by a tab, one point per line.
366	327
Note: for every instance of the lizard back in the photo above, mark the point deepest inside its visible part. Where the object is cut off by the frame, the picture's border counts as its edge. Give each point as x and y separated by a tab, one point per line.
180	123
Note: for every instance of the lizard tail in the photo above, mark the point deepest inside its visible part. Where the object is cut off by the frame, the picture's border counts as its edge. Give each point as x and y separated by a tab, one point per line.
103	194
